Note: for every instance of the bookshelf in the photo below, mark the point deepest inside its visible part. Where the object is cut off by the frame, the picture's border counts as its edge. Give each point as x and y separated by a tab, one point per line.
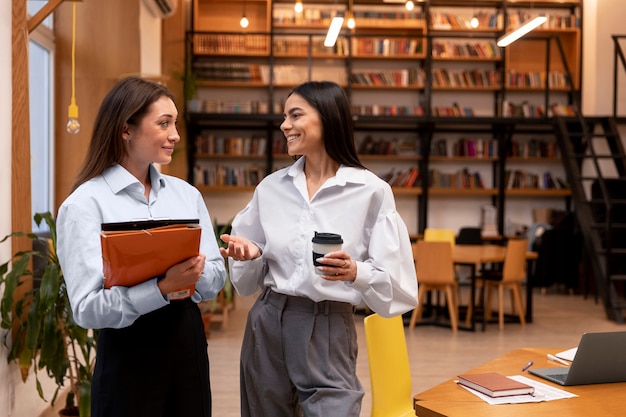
414	79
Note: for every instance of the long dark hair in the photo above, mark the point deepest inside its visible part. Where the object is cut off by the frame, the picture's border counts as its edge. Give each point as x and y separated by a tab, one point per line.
332	104
127	102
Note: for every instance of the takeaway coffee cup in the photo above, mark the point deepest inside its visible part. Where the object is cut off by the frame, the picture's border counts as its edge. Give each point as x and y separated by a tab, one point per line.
324	243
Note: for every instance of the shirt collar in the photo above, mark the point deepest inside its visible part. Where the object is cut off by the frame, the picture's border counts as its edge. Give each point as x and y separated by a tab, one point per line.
343	176
119	178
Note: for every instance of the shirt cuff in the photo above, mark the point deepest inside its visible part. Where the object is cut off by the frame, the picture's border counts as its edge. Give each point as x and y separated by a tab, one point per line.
146	297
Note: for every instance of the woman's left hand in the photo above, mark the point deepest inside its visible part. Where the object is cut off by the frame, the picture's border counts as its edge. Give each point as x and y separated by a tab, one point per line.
338	266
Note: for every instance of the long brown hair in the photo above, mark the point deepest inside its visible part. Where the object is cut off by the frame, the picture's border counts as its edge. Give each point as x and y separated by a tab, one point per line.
332	104
127	102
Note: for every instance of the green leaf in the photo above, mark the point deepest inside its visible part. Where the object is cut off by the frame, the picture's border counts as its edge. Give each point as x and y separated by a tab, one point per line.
34	325
11	282
49	287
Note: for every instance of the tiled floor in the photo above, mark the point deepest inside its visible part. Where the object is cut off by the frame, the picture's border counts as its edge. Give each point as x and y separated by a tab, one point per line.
435	353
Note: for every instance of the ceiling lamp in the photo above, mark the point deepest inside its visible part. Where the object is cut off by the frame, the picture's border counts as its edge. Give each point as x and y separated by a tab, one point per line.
333	30
527	27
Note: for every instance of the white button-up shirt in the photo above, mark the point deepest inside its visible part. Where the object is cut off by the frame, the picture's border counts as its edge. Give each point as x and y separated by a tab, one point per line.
356	204
117	196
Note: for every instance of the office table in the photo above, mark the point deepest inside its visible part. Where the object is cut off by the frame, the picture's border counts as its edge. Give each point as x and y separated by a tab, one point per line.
450	400
470	255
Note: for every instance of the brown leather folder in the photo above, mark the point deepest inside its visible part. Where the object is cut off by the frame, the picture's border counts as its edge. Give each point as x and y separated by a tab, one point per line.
138	254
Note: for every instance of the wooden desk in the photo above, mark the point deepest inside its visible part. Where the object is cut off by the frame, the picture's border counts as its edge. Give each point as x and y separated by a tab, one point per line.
450	400
470	255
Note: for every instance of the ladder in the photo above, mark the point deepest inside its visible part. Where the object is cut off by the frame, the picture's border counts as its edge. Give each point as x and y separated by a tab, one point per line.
595	165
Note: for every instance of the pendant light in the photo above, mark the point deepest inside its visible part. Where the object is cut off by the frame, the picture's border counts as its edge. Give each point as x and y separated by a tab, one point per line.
298	7
350	22
409	5
244	22
73	126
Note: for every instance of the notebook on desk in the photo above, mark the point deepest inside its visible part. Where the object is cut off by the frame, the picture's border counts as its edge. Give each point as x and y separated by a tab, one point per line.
600	358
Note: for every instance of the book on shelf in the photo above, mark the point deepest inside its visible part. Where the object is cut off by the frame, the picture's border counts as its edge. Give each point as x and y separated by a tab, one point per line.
495	384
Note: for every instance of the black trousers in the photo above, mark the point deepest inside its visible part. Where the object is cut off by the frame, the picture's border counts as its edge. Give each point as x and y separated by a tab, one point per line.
157	367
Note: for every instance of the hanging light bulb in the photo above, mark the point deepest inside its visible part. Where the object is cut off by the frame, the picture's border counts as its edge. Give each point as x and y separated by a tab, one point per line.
298	6
73	127
244	22
474	22
350	17
409	5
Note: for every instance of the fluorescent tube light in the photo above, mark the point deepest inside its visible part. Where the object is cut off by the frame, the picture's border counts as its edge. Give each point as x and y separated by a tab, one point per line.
333	30
531	25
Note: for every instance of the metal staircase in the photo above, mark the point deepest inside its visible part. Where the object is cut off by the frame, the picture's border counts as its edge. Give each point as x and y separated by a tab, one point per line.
595	165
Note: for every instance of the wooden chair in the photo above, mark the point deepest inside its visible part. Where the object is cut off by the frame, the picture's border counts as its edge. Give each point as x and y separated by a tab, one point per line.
510	277
435	271
390	371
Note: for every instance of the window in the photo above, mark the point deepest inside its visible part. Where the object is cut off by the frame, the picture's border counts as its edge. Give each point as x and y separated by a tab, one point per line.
41	55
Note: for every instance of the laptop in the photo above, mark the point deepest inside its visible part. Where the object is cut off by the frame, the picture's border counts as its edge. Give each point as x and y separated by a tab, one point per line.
600	358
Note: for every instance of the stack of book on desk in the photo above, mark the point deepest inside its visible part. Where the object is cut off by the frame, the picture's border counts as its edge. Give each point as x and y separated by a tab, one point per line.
495	385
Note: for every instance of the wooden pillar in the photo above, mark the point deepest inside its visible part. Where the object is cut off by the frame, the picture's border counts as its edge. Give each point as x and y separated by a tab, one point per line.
20	124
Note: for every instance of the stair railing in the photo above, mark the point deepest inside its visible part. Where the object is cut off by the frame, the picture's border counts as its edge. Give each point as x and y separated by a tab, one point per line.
617	57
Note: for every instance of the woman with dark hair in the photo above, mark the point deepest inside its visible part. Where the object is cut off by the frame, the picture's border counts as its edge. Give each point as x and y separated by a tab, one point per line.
299	348
151	357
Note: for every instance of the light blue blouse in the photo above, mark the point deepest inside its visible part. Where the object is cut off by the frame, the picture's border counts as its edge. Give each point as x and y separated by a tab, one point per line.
281	220
117	196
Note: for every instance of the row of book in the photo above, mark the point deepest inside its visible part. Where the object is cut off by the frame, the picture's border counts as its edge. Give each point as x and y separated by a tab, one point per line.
449	21
393	146
555	79
217	175
231	44
301	46
459	49
231	71
533	148
402	77
452	111
313	15
465	78
381	110
517	179
523	109
462	178
403	178
476	148
232	106
554	21
210	144
387	46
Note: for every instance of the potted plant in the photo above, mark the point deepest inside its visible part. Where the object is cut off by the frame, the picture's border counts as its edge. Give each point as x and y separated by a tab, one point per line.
44	334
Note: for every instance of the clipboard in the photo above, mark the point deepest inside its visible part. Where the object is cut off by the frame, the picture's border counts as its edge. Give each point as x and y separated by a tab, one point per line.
134	252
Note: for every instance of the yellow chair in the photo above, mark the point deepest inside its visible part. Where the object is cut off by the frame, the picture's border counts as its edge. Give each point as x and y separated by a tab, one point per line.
511	277
440	235
435	271
390	372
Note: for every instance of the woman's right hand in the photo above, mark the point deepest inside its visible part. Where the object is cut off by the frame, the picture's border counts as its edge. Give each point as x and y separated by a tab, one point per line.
239	248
